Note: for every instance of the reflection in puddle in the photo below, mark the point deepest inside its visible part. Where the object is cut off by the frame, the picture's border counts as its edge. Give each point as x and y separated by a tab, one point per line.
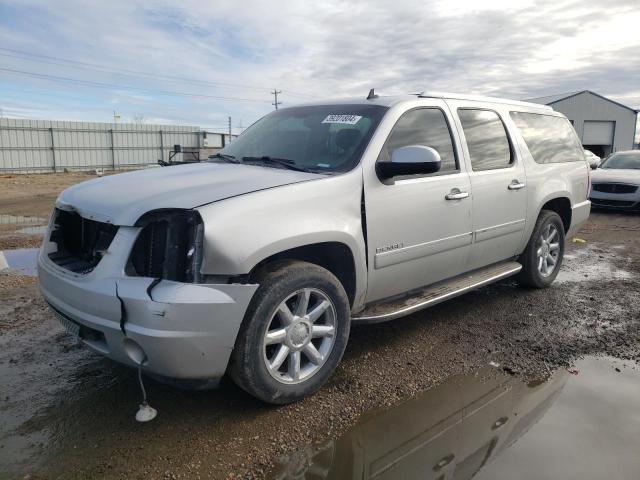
456	430
22	260
20	220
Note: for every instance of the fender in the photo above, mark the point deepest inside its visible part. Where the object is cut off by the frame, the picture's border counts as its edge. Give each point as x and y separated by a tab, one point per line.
242	231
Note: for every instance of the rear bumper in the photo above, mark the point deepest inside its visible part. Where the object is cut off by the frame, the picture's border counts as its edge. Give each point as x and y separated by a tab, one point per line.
579	215
186	331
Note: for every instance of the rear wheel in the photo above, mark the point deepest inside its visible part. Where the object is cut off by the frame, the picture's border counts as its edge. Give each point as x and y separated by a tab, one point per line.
543	256
294	332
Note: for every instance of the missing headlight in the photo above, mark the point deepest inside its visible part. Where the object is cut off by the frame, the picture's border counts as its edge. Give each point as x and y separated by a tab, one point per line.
169	246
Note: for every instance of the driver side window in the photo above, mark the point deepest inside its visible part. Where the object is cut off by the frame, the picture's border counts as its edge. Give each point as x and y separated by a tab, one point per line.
427	127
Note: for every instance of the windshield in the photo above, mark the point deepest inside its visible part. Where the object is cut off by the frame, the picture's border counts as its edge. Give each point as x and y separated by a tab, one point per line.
626	160
322	138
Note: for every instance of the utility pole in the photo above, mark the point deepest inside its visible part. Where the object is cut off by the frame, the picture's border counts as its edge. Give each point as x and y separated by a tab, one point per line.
229	128
275	96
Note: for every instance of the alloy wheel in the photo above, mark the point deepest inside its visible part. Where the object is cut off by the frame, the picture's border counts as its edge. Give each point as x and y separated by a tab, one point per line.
300	336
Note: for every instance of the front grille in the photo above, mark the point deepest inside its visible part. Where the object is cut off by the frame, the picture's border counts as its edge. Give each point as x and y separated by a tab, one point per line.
81	243
614	188
612	203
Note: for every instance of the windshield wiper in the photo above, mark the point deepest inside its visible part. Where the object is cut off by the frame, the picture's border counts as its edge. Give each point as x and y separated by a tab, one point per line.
290	164
225	156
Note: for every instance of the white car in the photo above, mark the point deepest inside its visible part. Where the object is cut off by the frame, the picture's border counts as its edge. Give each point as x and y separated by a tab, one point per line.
593	160
616	184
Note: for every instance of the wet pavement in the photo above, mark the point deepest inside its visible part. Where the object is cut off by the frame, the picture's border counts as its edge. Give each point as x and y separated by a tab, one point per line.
489	426
66	412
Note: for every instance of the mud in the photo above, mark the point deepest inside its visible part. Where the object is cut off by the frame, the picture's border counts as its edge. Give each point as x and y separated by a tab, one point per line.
65	412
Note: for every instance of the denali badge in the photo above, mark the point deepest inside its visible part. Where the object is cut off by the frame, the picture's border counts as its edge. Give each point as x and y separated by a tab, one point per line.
387	248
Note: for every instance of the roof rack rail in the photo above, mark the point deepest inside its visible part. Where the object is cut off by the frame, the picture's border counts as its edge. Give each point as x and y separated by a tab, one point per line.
479	98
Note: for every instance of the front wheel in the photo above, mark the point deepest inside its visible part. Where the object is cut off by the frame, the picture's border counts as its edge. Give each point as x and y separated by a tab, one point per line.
543	256
294	332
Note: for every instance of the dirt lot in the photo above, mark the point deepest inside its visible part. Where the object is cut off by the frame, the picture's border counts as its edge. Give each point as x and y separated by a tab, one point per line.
65	412
26	201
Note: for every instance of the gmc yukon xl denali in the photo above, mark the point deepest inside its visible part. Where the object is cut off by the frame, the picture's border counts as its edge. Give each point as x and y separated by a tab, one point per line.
256	263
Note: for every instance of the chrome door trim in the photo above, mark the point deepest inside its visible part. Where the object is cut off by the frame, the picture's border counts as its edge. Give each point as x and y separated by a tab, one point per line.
405	254
498	230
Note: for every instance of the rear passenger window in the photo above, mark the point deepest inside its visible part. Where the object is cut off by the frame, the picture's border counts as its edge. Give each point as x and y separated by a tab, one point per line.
549	139
486	139
423	126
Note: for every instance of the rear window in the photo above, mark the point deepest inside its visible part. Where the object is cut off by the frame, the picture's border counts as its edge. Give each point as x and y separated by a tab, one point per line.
549	139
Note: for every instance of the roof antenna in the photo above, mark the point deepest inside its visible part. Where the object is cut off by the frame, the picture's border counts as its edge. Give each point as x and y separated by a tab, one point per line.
371	95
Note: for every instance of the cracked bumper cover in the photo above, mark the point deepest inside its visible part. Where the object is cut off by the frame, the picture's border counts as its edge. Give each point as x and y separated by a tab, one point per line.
187	331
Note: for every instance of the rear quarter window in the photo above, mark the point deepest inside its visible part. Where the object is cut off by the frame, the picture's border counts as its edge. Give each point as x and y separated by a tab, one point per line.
549	139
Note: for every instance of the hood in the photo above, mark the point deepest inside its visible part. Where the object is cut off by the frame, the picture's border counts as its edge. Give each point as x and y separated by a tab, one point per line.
121	199
615	175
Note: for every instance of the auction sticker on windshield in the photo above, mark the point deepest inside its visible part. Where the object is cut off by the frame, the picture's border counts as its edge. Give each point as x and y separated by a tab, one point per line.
345	119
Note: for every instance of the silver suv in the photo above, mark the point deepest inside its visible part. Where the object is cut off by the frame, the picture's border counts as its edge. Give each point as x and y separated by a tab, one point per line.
257	262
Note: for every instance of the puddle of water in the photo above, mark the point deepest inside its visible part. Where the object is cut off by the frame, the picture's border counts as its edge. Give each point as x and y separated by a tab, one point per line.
20	220
33	230
588	263
22	260
491	426
590	432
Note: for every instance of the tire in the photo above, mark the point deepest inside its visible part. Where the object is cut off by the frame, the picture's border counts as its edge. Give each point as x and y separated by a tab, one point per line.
285	283
533	274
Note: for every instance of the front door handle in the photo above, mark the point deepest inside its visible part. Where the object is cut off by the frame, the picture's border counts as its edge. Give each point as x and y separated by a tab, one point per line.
516	185
456	194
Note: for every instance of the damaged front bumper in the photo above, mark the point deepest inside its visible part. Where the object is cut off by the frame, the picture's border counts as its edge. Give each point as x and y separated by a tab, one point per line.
176	330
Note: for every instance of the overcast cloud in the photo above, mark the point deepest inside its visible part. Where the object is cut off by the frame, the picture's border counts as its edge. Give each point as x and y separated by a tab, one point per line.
516	48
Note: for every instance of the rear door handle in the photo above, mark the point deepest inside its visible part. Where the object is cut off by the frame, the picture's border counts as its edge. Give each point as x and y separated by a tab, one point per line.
456	194
516	185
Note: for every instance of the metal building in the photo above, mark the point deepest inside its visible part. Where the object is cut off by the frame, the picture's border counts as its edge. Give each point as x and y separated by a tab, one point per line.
603	125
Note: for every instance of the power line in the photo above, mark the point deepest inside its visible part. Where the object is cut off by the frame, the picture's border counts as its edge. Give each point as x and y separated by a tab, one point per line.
77	64
91	83
275	96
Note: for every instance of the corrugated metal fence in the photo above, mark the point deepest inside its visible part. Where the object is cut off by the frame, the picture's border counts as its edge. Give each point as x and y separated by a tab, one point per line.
51	146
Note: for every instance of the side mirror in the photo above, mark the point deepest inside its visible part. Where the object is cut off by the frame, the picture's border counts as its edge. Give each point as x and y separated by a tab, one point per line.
410	160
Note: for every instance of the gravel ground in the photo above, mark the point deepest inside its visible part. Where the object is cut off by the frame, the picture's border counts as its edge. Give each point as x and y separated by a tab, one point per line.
65	412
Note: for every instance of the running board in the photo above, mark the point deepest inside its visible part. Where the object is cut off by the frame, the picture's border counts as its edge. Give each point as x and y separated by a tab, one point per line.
433	294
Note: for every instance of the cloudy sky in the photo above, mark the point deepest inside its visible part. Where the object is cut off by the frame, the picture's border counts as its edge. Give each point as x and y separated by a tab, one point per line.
198	62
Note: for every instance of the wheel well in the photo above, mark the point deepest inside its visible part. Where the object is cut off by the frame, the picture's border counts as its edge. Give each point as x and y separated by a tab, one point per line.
562	206
334	256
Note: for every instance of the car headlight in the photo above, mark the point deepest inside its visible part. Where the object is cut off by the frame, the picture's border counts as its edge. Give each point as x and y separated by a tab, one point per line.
169	246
